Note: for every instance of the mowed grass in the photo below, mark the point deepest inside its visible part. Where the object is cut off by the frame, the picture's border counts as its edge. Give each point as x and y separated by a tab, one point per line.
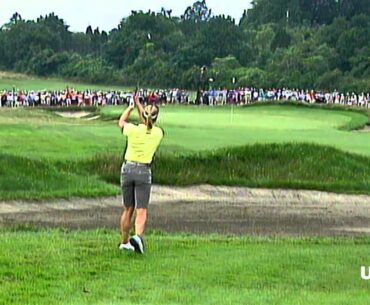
190	129
45	156
204	128
8	80
57	267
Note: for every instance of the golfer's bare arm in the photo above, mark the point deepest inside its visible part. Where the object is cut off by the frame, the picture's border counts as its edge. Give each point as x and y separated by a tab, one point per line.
140	108
123	121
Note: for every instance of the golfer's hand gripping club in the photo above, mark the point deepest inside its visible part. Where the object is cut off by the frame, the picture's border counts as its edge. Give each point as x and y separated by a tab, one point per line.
140	107
132	103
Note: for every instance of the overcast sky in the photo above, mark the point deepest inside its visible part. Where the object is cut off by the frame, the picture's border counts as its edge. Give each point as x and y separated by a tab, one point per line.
106	14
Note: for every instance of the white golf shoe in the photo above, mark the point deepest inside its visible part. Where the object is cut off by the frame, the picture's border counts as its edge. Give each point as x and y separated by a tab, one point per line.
126	247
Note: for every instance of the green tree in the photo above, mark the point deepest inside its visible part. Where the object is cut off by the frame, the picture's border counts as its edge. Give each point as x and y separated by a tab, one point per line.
281	39
198	12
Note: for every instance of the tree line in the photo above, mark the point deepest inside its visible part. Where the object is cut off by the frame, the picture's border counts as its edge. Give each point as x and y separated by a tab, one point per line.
313	44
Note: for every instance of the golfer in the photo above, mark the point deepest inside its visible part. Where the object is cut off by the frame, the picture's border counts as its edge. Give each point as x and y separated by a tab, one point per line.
136	177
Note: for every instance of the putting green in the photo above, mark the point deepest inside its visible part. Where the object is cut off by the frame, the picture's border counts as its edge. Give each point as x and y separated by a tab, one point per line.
215	128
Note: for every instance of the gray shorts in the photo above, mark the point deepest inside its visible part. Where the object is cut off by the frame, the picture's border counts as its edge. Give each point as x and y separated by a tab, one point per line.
136	182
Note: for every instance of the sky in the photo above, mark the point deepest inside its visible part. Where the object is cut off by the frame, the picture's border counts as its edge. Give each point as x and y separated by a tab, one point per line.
107	14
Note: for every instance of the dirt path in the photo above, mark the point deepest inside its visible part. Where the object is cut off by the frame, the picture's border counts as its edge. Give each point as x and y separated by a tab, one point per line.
209	209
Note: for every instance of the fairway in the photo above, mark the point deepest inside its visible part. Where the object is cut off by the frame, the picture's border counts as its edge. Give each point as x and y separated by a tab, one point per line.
188	129
208	128
22	82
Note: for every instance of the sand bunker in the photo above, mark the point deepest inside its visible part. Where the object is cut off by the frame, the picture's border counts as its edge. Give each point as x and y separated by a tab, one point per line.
73	115
93	118
209	209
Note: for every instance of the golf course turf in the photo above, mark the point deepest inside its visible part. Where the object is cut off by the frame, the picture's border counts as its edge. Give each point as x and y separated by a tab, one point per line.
45	156
9	80
60	267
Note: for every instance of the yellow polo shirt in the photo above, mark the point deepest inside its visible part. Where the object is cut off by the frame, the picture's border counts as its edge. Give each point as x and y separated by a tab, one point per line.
141	145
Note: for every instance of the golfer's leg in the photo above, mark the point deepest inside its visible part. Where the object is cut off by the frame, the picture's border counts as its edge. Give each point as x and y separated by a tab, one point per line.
140	221
128	201
126	223
142	191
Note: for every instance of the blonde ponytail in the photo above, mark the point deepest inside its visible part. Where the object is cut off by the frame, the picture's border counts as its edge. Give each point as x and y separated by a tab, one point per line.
150	116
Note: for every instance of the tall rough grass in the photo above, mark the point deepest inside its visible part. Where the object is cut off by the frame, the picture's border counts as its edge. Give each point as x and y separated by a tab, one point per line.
305	166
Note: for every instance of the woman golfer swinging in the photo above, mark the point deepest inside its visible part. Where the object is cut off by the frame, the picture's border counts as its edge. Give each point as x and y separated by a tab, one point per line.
136	177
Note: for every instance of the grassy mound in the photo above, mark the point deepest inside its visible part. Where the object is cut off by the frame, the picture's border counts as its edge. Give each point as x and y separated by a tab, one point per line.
22	178
296	166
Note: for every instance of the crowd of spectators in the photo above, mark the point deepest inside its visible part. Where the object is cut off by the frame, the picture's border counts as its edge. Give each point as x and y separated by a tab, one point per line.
212	97
242	96
70	97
